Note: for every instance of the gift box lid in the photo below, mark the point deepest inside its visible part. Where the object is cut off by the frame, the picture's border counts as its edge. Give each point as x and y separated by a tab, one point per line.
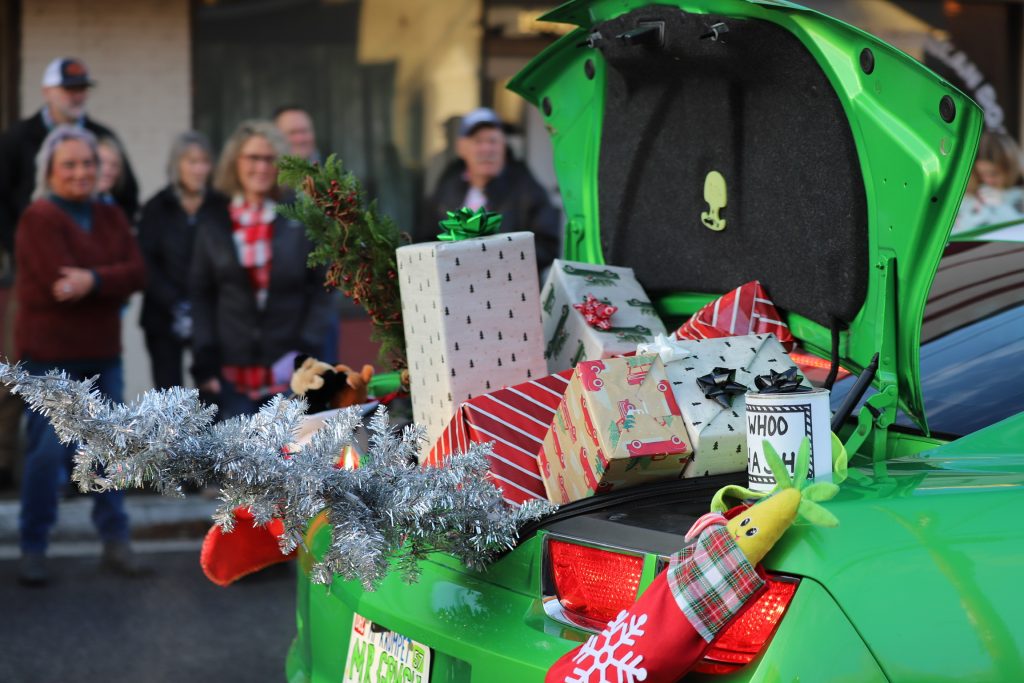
765	142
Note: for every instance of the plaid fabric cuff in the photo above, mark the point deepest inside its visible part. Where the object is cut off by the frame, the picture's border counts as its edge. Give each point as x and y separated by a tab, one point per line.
711	579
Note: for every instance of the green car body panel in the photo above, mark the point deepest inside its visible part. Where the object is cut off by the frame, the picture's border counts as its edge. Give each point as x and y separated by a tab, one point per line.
914	164
918	582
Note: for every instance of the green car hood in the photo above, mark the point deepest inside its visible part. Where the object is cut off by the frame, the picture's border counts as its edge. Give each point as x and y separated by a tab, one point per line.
943	529
707	143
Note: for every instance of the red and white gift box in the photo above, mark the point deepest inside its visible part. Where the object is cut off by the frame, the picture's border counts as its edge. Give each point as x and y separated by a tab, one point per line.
745	310
516	419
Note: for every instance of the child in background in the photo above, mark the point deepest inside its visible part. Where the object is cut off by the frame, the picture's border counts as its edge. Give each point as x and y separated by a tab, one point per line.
993	193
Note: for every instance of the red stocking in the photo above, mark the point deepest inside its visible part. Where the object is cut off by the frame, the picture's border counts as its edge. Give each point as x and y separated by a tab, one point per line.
668	629
225	558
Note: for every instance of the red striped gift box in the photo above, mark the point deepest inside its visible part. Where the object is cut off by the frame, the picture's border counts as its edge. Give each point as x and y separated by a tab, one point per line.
515	419
745	310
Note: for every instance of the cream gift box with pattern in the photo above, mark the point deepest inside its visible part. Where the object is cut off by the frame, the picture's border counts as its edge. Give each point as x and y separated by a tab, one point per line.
471	315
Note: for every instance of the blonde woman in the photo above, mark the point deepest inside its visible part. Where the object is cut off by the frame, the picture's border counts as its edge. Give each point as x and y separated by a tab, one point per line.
255	304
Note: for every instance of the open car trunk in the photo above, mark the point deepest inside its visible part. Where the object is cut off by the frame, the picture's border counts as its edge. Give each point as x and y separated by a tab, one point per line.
738	140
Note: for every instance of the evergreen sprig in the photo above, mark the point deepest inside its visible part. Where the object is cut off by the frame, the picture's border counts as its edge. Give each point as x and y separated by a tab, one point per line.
354	239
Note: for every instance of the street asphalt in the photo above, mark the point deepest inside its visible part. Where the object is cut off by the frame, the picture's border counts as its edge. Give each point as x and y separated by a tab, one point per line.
91	627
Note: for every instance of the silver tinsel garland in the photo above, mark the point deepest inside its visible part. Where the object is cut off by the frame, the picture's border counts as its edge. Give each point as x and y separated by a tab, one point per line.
385	510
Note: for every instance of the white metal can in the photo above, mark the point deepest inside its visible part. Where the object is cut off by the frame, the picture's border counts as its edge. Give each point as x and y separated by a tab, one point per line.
784	419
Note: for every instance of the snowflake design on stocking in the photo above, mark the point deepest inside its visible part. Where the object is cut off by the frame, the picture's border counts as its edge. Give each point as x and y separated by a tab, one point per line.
604	658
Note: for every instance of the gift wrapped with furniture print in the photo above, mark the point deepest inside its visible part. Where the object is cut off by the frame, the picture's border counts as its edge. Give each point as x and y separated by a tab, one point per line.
617	425
471	314
593	311
709	382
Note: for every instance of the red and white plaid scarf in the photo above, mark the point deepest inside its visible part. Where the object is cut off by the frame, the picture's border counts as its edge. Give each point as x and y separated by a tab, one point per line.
253	229
711	580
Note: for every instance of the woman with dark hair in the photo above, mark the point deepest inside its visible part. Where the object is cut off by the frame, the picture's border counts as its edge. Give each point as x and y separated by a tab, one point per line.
255	304
77	263
166	234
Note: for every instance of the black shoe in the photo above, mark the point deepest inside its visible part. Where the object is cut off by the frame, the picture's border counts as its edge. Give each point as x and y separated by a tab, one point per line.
118	558
32	570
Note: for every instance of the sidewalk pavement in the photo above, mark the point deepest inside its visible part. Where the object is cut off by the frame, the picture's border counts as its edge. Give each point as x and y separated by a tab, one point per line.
152	517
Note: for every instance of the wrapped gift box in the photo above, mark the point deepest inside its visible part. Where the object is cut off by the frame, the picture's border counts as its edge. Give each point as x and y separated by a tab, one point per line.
745	310
568	338
515	420
719	433
470	310
617	425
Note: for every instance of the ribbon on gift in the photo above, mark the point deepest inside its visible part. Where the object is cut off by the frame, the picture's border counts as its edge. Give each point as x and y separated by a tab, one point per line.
785	382
666	347
466	224
597	313
720	386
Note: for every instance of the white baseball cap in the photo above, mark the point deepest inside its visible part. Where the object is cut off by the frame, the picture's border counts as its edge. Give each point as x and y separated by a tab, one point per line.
479	118
66	72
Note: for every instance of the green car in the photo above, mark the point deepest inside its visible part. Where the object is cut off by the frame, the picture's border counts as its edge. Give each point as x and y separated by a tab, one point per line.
706	143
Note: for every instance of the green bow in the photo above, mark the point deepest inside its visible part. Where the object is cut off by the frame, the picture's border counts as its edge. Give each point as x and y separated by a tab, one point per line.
466	223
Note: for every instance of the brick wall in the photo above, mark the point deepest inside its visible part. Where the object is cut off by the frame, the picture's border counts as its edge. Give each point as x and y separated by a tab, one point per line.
139	54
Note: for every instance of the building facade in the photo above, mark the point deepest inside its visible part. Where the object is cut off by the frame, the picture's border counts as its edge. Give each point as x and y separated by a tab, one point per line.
386	80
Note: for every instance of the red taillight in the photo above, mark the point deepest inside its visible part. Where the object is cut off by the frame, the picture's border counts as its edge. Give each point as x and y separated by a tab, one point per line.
592	583
747	635
809	364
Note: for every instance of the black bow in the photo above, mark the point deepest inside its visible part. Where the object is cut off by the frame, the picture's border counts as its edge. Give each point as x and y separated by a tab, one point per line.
720	386
785	382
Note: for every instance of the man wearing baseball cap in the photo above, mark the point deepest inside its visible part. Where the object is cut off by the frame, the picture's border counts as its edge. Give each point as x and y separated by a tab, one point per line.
485	176
65	88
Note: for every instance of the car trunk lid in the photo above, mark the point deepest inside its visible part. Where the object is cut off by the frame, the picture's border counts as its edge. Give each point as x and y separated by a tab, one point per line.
712	142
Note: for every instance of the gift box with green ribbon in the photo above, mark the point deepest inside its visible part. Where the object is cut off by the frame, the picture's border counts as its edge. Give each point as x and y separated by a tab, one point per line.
471	313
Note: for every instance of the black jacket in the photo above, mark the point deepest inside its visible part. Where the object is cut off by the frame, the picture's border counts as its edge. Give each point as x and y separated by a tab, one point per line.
228	328
18	148
166	236
515	194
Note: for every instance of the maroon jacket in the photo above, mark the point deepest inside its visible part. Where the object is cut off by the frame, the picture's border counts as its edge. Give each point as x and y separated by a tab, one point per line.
87	329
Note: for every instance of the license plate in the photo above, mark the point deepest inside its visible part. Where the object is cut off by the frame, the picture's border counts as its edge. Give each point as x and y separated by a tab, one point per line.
377	654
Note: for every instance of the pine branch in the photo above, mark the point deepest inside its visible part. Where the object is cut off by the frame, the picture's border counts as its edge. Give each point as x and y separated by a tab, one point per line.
355	240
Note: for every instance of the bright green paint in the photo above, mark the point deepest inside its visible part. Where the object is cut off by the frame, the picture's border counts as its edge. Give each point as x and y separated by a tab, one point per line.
908	156
924	561
925	564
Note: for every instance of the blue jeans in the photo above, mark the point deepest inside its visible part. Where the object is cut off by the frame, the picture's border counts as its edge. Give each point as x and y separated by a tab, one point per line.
48	464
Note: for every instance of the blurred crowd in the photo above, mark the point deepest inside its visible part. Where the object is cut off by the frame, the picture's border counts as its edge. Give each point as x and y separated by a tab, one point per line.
222	273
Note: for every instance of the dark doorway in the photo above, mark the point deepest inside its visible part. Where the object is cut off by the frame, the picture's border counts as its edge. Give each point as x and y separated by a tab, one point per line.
251	56
10	63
